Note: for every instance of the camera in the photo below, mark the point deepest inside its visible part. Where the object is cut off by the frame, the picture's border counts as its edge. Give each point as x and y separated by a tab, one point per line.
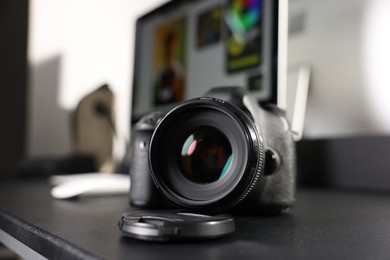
217	153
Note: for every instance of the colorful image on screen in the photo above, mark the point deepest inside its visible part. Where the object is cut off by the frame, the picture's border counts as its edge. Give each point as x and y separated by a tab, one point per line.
244	24
169	62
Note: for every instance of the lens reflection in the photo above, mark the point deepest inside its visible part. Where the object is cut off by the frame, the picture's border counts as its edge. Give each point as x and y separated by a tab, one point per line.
206	155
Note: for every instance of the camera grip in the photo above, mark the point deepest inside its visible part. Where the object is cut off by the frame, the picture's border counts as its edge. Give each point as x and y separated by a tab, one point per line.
143	193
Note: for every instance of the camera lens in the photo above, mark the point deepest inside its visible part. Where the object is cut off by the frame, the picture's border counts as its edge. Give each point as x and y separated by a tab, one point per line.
206	155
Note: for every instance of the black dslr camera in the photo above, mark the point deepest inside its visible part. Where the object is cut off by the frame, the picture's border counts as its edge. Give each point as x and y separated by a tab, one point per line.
220	152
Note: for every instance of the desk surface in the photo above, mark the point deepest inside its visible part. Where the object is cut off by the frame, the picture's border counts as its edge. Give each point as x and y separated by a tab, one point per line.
323	225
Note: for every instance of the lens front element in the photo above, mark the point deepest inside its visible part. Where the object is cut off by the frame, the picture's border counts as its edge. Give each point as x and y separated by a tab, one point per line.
206	155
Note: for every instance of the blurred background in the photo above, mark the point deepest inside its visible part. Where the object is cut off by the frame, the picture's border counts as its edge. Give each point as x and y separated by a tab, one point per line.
53	53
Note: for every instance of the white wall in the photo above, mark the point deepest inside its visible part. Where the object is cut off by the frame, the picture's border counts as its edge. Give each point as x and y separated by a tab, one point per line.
74	47
340	40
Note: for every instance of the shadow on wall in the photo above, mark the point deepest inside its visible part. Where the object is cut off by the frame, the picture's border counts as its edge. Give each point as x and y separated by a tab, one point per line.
49	125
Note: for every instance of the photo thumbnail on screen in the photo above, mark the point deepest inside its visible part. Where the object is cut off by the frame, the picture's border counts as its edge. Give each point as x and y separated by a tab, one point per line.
169	62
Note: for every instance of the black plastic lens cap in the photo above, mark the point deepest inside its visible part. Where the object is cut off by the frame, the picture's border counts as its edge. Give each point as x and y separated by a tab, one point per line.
174	225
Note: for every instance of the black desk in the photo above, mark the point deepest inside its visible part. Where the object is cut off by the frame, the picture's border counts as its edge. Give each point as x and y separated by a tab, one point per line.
322	225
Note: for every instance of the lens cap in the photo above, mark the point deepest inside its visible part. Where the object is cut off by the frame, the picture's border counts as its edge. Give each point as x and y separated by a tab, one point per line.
174	225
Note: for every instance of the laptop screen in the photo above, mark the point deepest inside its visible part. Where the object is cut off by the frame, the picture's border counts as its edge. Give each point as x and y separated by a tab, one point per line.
184	48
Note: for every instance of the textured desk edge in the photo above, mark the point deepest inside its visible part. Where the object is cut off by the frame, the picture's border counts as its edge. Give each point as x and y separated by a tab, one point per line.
42	243
18	247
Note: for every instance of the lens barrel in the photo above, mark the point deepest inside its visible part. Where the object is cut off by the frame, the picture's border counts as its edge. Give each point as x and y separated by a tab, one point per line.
206	155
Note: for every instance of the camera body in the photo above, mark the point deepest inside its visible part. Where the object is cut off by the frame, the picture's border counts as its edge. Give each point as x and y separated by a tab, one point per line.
143	192
221	152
